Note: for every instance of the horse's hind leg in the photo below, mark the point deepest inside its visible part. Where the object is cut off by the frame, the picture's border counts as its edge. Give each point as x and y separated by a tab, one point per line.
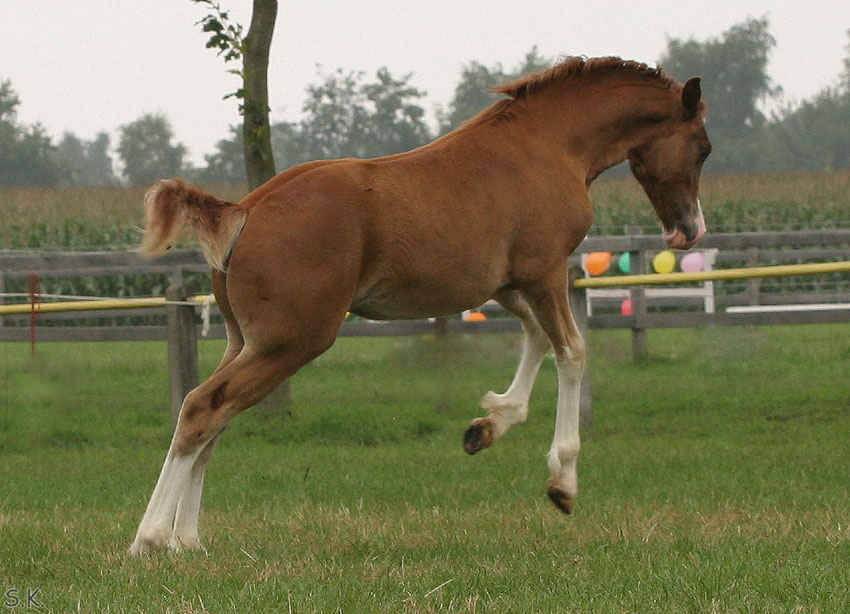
187	515
205	413
189	506
235	340
510	408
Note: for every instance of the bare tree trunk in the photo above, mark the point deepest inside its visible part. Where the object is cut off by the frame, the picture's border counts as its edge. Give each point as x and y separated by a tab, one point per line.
256	130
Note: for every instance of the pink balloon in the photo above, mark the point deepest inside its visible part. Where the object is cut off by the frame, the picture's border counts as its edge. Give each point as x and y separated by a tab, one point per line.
692	262
626	307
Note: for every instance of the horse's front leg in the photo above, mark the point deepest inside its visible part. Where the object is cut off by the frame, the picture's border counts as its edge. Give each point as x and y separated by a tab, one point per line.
551	307
510	408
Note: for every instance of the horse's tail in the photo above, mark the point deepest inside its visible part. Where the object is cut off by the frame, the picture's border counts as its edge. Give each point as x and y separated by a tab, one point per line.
171	205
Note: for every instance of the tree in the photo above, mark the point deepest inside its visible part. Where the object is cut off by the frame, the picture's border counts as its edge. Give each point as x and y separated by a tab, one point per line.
845	76
817	134
253	50
734	71
69	155
335	117
85	162
531	63
472	93
146	149
227	164
397	122
26	152
344	116
9	102
814	134
259	159
98	167
289	144
347	117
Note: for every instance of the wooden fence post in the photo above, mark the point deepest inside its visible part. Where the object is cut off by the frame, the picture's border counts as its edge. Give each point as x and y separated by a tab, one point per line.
2	290
441	328
640	347
183	370
278	400
755	282
578	303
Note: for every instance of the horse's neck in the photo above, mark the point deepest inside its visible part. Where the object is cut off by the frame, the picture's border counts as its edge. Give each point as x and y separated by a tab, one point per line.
599	127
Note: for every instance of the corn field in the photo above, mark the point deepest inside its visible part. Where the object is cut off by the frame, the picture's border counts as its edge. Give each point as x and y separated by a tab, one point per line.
110	218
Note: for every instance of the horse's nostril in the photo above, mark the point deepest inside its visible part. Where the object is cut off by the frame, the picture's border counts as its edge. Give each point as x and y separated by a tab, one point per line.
690	228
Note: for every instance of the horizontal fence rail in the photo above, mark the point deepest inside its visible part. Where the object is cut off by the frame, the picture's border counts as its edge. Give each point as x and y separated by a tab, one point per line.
754	304
598	282
745	248
716	275
96	305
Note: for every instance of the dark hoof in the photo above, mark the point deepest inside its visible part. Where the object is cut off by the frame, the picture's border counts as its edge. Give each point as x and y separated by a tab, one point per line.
561	500
478	436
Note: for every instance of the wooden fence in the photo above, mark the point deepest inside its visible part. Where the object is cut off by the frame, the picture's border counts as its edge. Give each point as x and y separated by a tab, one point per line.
735	250
59	326
769	304
747	249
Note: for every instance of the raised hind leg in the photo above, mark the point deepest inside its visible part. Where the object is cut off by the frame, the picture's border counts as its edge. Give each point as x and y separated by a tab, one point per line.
550	305
510	408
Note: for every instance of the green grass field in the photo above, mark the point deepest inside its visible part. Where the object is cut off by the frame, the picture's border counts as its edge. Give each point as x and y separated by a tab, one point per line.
714	479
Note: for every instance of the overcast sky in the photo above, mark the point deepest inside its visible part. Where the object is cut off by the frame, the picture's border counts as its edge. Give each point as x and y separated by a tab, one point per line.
93	65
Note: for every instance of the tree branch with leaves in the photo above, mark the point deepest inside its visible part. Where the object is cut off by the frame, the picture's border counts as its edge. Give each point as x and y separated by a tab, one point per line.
227	38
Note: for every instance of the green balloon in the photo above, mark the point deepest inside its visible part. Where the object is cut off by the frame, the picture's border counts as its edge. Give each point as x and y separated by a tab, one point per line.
625	263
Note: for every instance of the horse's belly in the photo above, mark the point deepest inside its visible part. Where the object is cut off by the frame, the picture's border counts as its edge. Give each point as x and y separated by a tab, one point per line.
410	301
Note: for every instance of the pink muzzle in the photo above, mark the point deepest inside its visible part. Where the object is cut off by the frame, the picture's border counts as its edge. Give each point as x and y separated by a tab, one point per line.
677	239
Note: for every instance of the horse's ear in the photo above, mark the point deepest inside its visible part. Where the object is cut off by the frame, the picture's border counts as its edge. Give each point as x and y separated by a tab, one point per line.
691	94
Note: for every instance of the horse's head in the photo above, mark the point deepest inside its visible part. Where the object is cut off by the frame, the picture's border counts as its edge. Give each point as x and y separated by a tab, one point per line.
668	168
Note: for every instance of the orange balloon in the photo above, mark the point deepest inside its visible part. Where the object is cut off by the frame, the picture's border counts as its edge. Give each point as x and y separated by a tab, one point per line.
476	316
597	263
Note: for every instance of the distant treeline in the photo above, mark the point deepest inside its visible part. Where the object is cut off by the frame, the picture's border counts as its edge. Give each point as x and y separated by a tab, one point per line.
347	114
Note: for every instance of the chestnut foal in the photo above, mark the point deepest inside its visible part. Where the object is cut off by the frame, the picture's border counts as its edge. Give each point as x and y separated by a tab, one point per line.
489	211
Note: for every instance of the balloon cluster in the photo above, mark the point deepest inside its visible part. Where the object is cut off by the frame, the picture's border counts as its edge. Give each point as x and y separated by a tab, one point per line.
665	262
597	263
